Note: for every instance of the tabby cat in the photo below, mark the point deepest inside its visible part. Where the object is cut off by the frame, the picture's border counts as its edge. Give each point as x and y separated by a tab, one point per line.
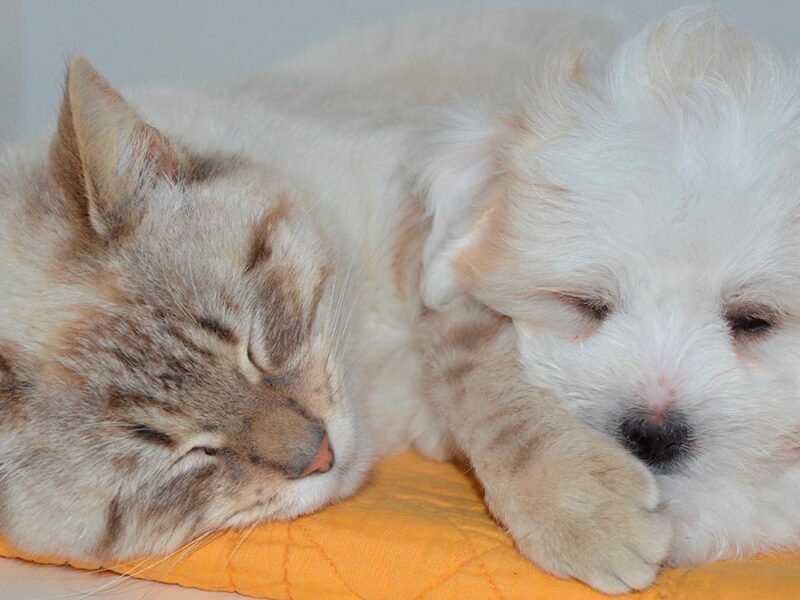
171	326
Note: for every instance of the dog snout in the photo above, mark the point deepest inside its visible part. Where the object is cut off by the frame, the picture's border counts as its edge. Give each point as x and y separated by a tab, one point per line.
660	443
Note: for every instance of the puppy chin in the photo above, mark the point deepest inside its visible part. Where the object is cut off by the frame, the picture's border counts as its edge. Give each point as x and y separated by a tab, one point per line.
723	516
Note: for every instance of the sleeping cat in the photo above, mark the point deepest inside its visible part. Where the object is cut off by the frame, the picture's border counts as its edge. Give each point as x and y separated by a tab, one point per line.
170	334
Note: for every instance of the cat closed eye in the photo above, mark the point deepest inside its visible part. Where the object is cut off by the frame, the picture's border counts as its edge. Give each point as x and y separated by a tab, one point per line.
266	373
207	450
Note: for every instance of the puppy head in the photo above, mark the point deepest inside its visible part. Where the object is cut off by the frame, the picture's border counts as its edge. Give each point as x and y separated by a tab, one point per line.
636	215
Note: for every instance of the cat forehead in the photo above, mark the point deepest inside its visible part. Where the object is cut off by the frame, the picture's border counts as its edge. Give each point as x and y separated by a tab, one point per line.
264	265
229	226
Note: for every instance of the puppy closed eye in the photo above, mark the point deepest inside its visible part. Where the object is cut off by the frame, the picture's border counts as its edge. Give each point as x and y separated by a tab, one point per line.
595	309
751	323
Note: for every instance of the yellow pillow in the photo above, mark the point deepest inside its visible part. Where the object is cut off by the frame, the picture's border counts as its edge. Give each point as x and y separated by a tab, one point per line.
419	529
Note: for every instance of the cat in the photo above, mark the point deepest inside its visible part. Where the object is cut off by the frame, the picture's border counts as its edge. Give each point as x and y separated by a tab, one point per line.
169	353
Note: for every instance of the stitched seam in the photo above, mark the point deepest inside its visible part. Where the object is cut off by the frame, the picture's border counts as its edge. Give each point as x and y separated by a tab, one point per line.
481	563
435	584
229	572
229	564
286	559
183	556
327	559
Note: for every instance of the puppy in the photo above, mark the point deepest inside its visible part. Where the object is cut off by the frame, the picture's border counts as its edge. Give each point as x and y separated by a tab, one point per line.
632	208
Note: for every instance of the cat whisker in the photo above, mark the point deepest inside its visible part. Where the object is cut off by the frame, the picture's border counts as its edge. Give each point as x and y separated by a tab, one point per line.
144	565
125	577
163	573
242	538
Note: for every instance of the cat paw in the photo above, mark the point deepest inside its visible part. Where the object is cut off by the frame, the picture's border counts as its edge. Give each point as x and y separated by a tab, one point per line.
593	514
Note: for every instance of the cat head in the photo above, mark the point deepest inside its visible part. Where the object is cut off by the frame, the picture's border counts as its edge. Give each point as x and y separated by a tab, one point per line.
171	349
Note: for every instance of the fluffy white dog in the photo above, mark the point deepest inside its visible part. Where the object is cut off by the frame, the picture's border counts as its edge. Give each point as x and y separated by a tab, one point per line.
634	209
632	204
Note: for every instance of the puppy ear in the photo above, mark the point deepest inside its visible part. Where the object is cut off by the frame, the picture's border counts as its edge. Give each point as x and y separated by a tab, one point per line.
104	157
468	164
461	163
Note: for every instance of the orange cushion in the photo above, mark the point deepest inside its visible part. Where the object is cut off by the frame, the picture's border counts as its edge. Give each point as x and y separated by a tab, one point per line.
418	530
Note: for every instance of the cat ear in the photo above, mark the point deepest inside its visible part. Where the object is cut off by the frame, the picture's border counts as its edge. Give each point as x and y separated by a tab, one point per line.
461	164
104	156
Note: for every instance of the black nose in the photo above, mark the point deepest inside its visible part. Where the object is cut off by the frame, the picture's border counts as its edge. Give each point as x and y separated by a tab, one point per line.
660	444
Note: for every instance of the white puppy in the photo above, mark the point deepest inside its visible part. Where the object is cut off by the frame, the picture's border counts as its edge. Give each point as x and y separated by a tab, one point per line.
634	209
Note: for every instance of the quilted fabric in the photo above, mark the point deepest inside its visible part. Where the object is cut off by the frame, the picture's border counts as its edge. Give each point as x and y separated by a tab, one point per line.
417	530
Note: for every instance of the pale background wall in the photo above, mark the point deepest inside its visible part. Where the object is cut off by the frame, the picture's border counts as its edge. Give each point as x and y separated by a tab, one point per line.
10	69
138	41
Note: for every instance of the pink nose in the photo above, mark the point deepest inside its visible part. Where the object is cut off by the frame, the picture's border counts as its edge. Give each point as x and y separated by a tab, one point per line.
658	396
323	461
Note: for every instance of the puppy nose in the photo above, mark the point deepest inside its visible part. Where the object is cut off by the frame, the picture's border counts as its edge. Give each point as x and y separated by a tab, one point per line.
659	444
323	461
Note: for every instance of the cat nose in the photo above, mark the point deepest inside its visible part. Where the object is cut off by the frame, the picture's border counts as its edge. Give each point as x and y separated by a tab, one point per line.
289	440
323	461
660	444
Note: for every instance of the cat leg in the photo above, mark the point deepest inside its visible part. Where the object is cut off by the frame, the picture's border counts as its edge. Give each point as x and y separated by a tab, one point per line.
575	502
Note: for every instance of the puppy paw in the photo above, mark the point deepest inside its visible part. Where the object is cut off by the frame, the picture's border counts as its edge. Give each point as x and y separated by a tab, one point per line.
589	511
